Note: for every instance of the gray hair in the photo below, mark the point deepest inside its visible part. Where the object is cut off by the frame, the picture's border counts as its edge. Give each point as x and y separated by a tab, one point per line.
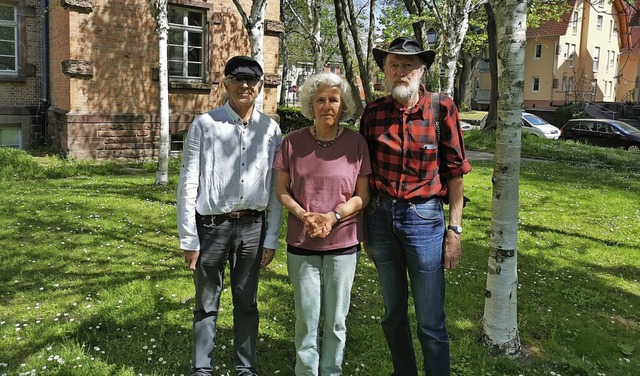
309	89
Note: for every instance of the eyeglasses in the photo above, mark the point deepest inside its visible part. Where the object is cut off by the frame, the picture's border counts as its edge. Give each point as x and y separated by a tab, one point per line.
250	80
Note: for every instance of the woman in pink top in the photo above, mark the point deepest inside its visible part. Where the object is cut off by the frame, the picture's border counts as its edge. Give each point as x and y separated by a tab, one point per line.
323	173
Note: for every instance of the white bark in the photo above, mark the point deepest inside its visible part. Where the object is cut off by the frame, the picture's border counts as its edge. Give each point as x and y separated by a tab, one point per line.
160	14
254	23
313	17
500	311
453	19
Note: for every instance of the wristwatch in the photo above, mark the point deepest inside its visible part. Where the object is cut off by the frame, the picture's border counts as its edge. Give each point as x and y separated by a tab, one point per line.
338	216
456	229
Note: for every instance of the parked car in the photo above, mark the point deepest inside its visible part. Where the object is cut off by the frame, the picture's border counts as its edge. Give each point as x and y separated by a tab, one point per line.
466	126
602	132
539	127
534	125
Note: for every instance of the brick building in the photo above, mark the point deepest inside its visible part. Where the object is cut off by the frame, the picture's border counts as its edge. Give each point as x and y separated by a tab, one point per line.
22	77
103	89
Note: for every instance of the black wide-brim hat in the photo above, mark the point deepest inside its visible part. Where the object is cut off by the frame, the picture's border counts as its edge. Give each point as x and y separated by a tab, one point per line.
404	46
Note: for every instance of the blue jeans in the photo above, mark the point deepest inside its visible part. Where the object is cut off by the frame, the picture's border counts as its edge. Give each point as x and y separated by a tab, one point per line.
239	243
407	236
317	279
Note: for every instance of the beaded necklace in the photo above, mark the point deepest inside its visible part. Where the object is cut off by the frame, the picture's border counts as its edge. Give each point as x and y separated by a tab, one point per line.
324	144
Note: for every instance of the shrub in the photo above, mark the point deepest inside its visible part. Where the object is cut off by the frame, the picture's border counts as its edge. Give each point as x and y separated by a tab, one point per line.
16	162
291	119
569	111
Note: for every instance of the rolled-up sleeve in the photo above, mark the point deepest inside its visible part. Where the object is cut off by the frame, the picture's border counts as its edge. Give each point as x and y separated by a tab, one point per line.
453	160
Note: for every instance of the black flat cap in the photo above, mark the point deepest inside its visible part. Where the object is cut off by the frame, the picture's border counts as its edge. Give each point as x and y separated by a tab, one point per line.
243	66
404	46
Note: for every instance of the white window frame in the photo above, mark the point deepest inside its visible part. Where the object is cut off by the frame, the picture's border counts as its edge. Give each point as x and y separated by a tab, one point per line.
610	29
188	30
596	59
600	3
612	59
537	52
564	84
566	51
11	24
570	85
572	56
575	22
535	84
594	87
599	21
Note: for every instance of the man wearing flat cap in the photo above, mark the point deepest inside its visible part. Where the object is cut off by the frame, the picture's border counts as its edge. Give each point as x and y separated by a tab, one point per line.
228	212
417	160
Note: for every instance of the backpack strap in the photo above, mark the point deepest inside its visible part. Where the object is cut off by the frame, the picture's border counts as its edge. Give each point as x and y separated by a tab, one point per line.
435	107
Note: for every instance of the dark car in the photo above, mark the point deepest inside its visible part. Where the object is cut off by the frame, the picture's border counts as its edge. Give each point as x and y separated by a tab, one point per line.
602	132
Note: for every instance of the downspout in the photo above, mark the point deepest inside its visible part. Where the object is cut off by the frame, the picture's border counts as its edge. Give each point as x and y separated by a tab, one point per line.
45	101
554	68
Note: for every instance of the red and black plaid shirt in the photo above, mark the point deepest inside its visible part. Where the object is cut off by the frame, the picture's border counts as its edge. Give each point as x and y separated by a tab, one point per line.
404	148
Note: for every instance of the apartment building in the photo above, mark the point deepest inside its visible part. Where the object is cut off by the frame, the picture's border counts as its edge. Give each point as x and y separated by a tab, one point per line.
100	70
576	58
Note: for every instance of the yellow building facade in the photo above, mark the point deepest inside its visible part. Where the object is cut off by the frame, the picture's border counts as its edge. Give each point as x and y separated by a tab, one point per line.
584	56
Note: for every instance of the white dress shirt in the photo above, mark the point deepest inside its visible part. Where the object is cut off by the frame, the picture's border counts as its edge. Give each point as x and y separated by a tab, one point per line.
227	166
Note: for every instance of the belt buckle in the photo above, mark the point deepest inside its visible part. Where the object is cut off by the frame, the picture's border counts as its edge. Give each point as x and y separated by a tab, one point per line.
235	215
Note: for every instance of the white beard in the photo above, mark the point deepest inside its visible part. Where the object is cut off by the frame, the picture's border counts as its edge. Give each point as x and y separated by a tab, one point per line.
402	92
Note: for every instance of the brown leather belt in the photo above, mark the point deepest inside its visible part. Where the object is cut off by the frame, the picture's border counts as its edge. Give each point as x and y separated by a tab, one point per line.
240	214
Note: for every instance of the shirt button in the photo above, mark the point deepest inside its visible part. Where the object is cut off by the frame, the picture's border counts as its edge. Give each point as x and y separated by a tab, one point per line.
243	164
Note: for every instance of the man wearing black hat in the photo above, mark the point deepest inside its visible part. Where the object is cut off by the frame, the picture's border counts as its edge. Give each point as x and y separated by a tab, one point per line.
228	212
417	158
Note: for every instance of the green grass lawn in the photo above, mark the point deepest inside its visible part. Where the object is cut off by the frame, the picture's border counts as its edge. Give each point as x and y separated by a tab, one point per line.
92	281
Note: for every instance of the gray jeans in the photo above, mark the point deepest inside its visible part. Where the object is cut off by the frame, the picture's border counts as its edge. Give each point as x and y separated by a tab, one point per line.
238	242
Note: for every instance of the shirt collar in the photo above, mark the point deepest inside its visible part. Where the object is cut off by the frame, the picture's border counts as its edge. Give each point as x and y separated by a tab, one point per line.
236	118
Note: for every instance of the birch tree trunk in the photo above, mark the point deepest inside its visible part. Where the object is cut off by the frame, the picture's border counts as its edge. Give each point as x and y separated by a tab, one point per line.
500	322
452	16
347	55
162	28
254	23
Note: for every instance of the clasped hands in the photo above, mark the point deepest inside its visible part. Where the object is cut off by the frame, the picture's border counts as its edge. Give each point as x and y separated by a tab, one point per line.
318	225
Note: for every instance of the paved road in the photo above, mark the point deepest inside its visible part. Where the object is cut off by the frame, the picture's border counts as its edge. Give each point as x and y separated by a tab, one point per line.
479	155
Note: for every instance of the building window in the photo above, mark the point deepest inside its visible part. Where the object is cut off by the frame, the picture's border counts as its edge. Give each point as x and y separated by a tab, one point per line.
537	54
612	58
600	3
535	87
10	136
575	22
186	43
599	23
572	56
564	84
594	86
566	51
596	59
610	88
610	29
570	85
177	142
8	40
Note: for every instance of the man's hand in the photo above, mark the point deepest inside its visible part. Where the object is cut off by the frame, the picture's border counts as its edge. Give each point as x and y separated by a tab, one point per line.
452	250
267	256
191	258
